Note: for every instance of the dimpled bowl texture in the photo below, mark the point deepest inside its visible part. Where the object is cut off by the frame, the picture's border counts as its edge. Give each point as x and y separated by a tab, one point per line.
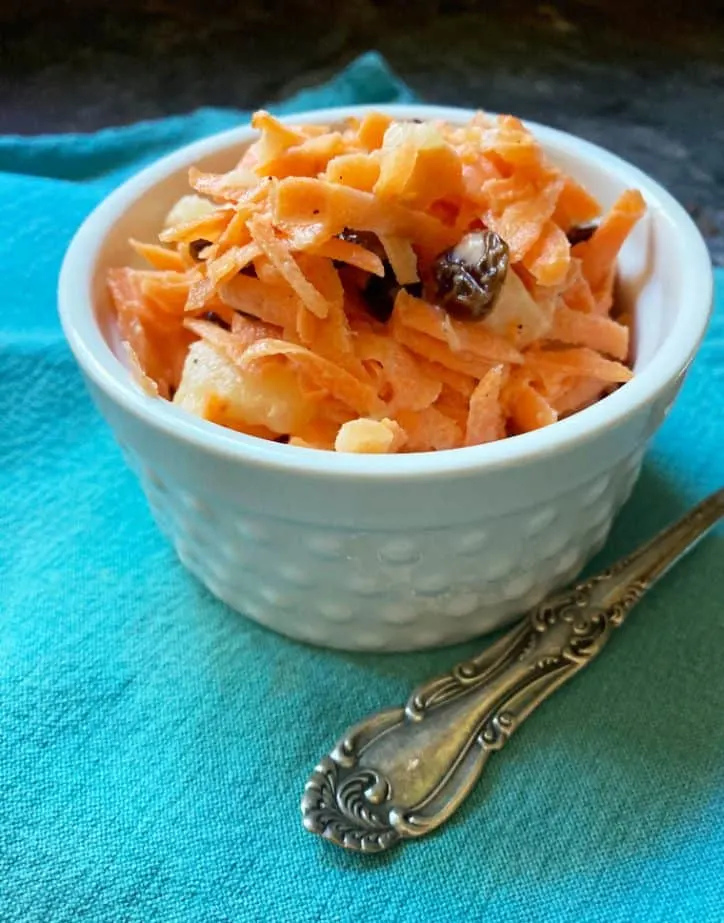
390	552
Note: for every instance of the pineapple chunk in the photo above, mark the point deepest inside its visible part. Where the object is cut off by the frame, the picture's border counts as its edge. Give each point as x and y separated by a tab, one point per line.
422	136
376	437
516	315
188	208
214	388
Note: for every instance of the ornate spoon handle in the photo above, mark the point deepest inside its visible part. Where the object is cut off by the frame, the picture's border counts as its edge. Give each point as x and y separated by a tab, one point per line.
401	773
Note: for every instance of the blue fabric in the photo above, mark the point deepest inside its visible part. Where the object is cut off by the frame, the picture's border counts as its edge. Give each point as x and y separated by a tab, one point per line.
154	744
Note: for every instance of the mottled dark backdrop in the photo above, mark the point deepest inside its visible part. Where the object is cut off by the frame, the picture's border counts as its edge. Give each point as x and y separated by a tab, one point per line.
646	79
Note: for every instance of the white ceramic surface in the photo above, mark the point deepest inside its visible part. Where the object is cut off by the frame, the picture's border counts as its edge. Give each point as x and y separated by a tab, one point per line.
391	552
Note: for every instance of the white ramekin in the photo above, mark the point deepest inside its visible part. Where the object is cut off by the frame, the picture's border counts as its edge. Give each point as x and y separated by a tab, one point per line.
391	552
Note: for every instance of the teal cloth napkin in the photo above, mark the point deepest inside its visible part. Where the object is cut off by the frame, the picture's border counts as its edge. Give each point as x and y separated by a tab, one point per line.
154	744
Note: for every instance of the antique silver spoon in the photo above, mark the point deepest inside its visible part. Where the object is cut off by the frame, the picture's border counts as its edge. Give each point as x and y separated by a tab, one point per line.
402	772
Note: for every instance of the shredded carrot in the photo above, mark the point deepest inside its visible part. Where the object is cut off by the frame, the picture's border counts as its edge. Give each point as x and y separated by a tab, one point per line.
275	139
599	253
344	251
521	223
603	293
159	257
581	393
600	333
402	258
306	201
371	131
436	177
577	293
426	318
247	330
462	384
429	430
144	382
485	421
575	205
548	258
454	405
267	273
357	170
280	256
462	362
411	388
231	262
578	361
218	337
233	187
236	233
528	409
325	374
511	142
207	227
244	332
158	341
475	176
167	290
270	303
306	159
330	336
262	313
396	169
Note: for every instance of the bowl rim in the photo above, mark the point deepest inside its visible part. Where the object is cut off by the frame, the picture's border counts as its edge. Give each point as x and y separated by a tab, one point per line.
98	361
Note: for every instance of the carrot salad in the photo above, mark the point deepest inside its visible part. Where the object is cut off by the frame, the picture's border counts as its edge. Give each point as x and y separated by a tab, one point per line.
381	286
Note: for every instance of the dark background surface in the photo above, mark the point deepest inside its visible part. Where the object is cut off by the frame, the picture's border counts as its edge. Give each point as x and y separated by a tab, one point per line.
644	79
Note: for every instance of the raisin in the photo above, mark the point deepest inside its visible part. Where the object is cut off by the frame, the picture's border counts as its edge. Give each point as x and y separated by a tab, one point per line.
580	233
367	239
213	318
380	291
196	246
467	278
